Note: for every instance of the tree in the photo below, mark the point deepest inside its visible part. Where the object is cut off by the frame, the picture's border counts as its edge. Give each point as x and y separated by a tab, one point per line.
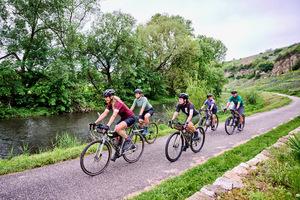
111	44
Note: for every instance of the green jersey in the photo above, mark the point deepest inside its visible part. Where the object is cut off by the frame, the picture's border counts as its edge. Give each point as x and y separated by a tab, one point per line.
236	99
143	103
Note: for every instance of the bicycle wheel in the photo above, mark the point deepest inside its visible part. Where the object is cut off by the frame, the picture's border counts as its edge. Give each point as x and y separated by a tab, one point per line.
152	135
95	157
196	145
174	145
203	124
216	124
230	125
133	155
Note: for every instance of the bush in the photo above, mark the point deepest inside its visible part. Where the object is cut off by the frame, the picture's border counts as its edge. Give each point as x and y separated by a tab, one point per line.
265	66
294	143
197	91
296	66
66	140
251	97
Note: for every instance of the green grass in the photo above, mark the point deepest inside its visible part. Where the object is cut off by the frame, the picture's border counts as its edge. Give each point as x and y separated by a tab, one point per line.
277	178
288	83
6	113
191	181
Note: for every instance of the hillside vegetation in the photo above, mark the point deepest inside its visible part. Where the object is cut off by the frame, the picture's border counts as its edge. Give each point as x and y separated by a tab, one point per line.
263	64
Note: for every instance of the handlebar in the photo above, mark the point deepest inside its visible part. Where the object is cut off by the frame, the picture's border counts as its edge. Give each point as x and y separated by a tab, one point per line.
176	125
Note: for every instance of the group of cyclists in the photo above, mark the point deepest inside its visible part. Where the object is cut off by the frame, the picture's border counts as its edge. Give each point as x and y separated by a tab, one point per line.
128	118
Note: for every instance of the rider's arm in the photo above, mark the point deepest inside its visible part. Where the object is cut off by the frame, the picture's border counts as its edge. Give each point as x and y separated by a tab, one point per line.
211	107
175	115
238	105
102	116
133	105
143	107
190	116
113	117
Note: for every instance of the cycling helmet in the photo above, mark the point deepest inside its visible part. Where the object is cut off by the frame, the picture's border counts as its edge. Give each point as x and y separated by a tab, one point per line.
233	92
209	95
138	91
183	95
109	92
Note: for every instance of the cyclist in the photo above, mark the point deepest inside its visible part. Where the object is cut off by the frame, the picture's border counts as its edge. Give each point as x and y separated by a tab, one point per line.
146	109
193	115
238	105
212	107
115	104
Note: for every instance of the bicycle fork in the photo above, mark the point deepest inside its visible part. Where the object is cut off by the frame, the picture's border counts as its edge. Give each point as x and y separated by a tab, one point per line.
98	155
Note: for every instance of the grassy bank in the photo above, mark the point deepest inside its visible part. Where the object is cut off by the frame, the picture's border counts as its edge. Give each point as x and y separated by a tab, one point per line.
288	83
191	181
6	113
277	178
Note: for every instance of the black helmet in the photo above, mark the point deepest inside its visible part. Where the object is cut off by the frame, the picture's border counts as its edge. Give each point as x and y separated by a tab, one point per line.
183	95
234	92
138	91
209	95
109	92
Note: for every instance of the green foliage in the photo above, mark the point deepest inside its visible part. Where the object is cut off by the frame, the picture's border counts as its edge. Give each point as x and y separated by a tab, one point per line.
50	63
66	140
294	143
197	91
296	66
251	97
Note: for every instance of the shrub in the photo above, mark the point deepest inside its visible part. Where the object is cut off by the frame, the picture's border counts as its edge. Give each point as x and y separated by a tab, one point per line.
251	97
197	91
66	140
296	66
294	143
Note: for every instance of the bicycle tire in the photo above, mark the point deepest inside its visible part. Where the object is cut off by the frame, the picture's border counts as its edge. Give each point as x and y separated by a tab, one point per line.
196	150
217	124
153	132
179	148
137	139
229	123
83	156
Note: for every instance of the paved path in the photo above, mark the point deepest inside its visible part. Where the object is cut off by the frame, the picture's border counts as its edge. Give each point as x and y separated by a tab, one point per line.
66	180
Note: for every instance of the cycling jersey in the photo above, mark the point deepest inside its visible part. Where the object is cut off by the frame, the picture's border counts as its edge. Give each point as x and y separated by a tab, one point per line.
185	108
124	111
142	102
236	100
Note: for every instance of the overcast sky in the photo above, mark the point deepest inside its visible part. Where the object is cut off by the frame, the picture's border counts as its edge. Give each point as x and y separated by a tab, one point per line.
245	27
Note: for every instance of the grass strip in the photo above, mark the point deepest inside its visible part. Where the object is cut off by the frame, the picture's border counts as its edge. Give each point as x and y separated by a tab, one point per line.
187	184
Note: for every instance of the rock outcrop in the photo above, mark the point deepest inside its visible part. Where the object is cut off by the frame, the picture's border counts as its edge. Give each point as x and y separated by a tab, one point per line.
285	65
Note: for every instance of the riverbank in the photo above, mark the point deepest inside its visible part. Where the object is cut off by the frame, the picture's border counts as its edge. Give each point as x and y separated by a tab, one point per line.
7	113
58	154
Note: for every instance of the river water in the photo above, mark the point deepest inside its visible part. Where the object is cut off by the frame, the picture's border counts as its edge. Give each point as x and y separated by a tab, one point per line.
37	133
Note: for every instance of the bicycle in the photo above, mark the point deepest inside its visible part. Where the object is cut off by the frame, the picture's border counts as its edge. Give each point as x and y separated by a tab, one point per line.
206	120
181	137
152	131
233	121
100	149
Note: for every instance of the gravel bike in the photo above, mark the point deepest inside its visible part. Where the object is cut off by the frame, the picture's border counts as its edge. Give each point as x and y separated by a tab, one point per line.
233	122
176	141
95	157
151	136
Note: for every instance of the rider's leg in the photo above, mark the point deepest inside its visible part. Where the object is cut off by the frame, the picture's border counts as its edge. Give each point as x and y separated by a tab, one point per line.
147	119
241	112
120	129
